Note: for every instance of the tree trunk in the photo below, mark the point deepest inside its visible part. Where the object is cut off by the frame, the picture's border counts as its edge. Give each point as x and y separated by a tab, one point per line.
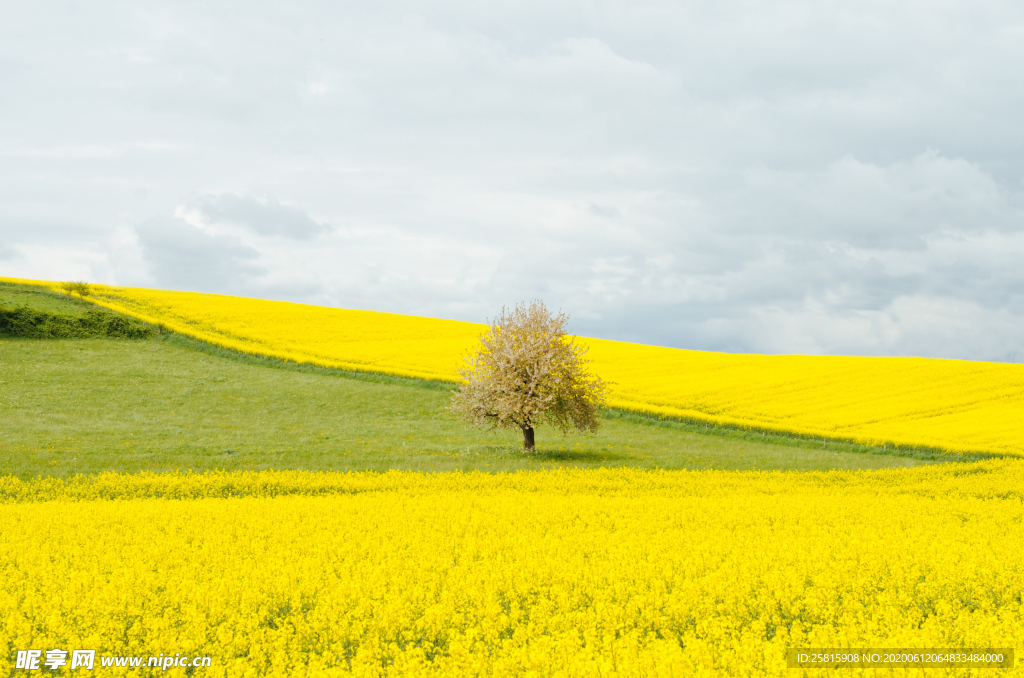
528	437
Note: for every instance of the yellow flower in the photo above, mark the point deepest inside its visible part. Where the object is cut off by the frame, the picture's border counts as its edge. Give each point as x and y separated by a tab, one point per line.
572	572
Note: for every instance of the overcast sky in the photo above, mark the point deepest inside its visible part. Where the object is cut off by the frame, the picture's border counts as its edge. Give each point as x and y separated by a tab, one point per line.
784	177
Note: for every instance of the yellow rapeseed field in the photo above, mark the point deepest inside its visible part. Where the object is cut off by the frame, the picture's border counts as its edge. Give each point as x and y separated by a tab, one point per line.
952	405
564	573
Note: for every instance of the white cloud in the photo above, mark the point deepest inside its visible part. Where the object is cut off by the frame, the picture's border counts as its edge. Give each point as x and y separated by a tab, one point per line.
67	152
799	177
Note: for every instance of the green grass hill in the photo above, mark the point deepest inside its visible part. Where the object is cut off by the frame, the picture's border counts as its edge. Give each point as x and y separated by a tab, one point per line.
167	402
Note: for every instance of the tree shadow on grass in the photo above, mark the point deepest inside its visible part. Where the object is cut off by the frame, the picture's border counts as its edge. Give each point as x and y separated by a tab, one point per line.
588	457
567	455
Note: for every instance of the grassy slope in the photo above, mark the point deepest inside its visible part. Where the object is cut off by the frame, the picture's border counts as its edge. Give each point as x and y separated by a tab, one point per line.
89	405
83	406
41	299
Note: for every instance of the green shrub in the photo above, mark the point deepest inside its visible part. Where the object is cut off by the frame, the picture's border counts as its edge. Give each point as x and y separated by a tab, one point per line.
29	323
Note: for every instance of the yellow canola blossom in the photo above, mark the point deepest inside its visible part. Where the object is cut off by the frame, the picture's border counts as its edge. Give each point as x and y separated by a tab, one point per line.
951	405
567	573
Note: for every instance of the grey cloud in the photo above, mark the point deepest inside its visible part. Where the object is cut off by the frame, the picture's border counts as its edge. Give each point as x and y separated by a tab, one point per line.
872	206
261	214
181	256
609	211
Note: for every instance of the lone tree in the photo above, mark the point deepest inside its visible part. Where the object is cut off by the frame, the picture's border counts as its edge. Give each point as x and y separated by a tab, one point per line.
80	288
528	370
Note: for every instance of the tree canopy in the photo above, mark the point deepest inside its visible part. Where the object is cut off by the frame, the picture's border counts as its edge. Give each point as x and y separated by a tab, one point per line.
81	288
526	371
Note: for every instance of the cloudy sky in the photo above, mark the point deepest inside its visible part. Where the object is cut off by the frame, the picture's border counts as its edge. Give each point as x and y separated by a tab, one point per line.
785	177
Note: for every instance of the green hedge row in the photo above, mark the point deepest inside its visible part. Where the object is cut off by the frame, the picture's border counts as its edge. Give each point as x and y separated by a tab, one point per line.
32	324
